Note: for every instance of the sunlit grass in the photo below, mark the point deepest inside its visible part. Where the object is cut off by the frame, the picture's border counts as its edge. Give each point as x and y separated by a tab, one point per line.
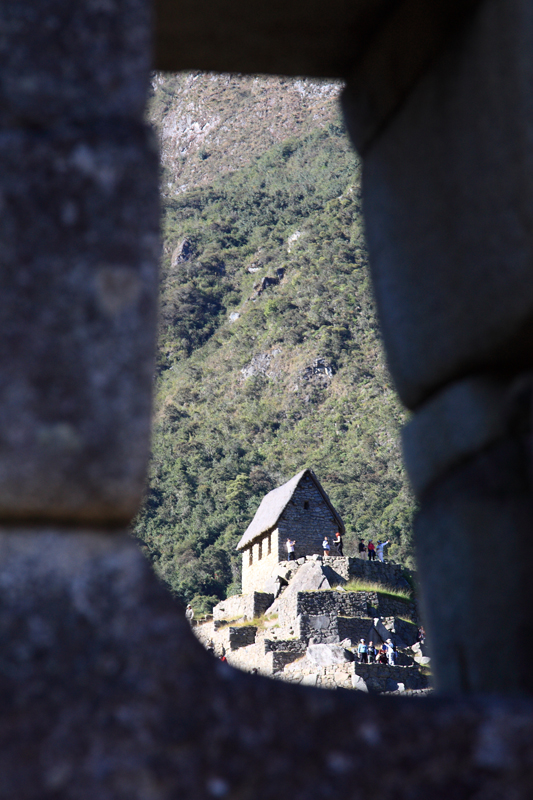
359	585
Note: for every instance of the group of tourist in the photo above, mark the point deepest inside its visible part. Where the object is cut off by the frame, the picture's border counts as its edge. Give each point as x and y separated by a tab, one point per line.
337	543
372	549
368	654
326	546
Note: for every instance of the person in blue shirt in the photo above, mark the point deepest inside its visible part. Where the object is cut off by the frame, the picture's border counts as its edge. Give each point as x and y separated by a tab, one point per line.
362	652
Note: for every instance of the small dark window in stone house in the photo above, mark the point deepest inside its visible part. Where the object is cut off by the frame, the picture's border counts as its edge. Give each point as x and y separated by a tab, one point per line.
306	504
260	550
250	557
269	544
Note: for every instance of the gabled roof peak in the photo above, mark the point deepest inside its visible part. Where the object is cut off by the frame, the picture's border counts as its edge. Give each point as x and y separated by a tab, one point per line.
274	503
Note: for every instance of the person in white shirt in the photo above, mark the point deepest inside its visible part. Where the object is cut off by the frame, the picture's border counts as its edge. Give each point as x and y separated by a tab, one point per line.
379	549
326	546
290	549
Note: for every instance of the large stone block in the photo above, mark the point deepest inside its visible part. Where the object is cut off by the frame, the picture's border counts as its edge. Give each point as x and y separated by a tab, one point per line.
449	210
475	552
78	283
107	694
281	37
67	58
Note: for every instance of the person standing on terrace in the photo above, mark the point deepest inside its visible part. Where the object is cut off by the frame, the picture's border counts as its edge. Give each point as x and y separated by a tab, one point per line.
290	549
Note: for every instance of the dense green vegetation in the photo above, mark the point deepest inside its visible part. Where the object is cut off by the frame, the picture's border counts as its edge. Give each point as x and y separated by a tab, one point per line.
259	379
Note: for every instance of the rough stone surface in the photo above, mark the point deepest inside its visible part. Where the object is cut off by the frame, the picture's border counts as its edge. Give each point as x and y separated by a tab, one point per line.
326	654
73	60
243	606
387	573
350	604
459	421
358	683
458	142
475	551
308	577
78	281
106	693
405	632
372	678
356	628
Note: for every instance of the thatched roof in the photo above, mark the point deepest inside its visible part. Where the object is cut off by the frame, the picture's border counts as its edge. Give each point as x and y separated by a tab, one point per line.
273	505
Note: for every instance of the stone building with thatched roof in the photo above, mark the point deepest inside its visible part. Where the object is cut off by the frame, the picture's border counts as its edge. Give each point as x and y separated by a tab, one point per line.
301	510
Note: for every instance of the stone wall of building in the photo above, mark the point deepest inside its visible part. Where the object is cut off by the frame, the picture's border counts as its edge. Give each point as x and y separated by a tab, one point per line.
352	604
342	569
307	519
382	678
242	606
349	604
285	645
241	637
355	628
308	527
378	678
387	572
320	628
227	639
281	659
260	560
312	608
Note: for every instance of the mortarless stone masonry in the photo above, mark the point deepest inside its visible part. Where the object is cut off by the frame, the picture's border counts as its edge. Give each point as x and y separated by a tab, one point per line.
74	61
243	606
79	289
346	604
307	518
316	617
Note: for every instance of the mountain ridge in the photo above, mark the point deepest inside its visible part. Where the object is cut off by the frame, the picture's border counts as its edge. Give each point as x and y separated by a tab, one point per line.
269	354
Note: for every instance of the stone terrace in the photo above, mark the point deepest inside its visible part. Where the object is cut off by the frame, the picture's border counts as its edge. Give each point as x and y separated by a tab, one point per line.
298	624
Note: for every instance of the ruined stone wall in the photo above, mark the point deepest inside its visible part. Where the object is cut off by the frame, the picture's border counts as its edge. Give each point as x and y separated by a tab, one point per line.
382	678
378	678
251	658
242	606
256	574
354	628
315	605
241	637
320	628
347	604
307	524
388	573
285	645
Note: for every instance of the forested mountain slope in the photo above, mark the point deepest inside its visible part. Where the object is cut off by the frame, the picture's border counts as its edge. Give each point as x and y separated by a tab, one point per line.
269	358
